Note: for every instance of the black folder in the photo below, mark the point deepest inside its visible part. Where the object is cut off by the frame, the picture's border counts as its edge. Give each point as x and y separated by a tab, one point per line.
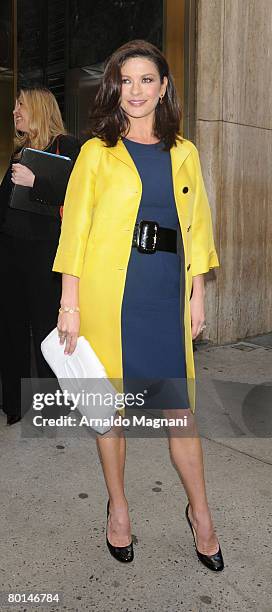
56	169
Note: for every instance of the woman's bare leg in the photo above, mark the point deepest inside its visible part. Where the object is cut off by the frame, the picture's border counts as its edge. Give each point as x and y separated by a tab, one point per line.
112	453
187	457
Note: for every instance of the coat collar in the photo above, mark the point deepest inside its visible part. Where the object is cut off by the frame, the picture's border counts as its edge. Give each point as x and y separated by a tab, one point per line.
178	155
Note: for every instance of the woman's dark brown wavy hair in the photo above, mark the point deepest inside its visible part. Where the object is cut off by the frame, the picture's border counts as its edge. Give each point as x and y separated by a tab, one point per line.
108	121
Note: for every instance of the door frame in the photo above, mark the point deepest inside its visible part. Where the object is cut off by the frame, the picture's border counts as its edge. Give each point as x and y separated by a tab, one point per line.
179	42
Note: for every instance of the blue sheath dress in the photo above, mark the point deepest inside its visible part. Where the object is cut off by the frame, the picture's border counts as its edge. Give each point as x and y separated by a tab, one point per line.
153	301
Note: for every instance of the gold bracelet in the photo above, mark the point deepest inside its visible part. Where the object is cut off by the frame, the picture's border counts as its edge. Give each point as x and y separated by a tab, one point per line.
69	309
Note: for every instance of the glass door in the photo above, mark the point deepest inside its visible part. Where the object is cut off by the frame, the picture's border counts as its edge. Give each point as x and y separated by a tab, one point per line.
7	80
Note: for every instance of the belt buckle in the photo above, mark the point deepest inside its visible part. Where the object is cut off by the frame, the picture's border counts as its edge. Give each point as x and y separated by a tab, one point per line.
147	236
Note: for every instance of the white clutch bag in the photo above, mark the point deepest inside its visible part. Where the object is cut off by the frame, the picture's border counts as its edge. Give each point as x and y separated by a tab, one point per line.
82	375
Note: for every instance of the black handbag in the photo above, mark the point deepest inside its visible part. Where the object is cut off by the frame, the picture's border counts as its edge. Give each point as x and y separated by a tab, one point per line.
53	168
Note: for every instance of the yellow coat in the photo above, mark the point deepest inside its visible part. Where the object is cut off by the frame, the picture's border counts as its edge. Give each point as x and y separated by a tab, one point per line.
100	210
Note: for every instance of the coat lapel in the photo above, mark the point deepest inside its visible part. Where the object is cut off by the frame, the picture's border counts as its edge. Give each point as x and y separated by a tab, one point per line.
120	151
178	156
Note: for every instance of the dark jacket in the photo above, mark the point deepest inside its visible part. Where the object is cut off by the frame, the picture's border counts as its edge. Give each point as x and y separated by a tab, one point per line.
31	226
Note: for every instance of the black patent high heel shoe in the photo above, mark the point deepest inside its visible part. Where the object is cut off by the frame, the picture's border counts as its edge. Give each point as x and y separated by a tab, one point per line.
125	554
213	562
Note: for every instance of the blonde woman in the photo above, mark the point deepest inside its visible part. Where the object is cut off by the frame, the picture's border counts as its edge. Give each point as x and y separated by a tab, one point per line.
30	291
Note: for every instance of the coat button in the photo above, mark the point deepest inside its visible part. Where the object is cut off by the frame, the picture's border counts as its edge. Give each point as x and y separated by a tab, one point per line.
188	267
188	228
185	189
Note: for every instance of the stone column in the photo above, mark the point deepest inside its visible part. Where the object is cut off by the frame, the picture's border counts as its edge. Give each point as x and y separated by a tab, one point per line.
234	137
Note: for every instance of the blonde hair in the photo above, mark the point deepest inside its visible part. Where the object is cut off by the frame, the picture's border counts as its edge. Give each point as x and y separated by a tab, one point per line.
45	120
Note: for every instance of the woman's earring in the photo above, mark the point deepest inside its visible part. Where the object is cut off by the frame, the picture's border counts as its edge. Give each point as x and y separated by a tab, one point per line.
161	99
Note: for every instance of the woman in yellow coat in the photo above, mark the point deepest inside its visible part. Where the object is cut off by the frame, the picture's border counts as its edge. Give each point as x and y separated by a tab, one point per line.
135	148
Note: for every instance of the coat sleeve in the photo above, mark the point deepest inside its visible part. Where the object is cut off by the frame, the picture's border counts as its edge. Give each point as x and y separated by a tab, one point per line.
204	256
77	211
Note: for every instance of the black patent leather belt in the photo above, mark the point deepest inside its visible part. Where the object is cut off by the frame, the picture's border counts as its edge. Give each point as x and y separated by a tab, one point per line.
149	237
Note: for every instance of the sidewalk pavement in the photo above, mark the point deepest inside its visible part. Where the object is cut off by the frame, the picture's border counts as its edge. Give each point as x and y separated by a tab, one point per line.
53	505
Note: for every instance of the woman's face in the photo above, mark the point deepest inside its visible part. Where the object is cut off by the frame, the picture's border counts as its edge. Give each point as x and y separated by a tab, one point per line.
141	87
21	115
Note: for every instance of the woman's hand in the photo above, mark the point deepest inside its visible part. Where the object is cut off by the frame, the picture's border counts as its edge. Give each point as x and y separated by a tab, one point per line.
68	328
197	306
21	175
